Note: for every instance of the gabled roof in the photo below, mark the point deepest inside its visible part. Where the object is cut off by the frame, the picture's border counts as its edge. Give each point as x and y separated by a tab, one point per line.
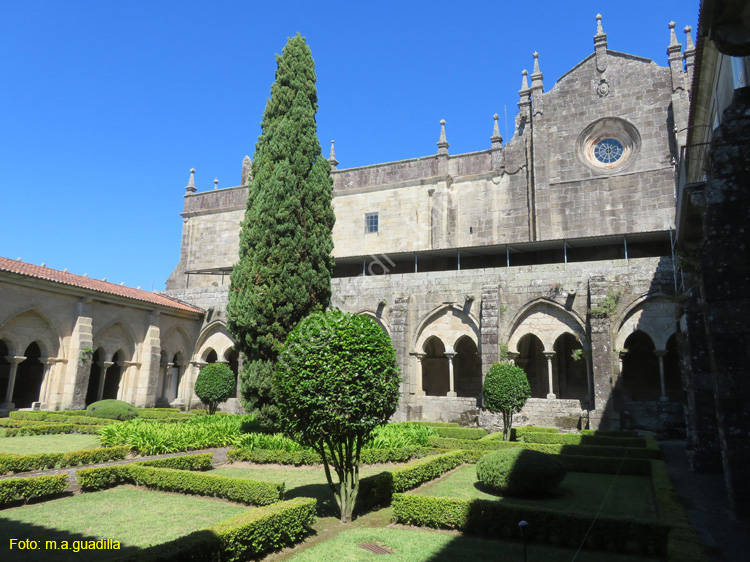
64	278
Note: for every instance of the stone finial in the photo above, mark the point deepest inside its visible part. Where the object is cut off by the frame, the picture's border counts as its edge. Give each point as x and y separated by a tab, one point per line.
332	158
674	49
247	171
496	138
524	81
689	58
536	76
600	45
689	45
191	182
442	143
216	183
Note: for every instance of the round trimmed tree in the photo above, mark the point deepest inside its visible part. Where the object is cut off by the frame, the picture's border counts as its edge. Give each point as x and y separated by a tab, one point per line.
215	384
506	390
336	381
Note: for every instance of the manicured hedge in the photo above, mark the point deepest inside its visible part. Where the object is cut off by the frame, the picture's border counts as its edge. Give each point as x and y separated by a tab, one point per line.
378	489
60	417
499	519
22	463
238	490
551	448
16	489
607	465
517	432
410	477
461	432
684	545
575	439
163	414
204	461
611	433
272	456
52	429
297	458
439	424
246	536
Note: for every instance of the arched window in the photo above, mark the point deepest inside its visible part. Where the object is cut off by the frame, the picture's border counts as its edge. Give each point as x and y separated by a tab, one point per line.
29	378
467	367
531	359
570	371
435	368
640	368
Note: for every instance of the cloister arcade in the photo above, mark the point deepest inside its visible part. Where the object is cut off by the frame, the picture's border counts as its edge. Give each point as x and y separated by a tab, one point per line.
448	361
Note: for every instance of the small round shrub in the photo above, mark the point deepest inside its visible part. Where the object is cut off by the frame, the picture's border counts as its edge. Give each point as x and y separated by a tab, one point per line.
112	410
506	390
520	472
215	384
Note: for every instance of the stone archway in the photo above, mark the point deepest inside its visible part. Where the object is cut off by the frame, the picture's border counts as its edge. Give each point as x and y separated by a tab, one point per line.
467	367
640	368
531	359
29	377
435	368
570	372
113	377
4	371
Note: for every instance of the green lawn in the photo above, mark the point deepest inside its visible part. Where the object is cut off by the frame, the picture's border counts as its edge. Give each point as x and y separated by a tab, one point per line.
301	482
582	492
430	546
136	518
29	444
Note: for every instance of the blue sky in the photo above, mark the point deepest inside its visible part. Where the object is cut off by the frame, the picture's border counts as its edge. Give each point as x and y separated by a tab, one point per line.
105	106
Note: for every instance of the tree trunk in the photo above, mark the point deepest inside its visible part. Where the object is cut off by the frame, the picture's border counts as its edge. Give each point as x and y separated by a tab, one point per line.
507	420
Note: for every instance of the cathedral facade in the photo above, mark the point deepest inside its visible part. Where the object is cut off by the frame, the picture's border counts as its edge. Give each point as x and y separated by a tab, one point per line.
553	250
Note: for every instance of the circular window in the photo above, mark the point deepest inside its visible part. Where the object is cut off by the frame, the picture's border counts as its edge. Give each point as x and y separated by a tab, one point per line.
608	151
608	145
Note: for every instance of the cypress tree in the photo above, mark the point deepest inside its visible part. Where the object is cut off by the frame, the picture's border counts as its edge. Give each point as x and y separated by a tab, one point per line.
285	263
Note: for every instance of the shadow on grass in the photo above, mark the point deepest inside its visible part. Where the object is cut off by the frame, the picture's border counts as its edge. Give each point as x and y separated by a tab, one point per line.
52	544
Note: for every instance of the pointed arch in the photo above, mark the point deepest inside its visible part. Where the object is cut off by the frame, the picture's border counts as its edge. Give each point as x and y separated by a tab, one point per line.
216	337
176	341
378	318
116	336
450	323
546	320
28	326
655	315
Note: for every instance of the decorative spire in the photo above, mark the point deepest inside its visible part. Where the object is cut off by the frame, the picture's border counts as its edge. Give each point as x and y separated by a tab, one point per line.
689	47
442	143
689	58
524	81
536	76
496	138
216	183
247	172
332	158
674	47
191	182
600	45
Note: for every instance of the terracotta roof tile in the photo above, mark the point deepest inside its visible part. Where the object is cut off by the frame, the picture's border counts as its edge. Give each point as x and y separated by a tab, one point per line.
65	278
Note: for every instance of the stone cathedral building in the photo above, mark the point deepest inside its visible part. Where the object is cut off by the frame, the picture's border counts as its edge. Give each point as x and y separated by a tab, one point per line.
553	249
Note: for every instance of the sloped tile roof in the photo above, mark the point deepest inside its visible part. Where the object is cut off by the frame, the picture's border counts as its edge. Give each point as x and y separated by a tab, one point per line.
65	278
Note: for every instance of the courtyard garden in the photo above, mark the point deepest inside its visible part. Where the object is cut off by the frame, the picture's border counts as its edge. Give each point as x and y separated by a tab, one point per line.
72	486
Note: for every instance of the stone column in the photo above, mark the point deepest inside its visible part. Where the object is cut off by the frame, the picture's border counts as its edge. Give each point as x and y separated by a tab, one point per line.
148	374
661	353
451	392
550	355
44	389
78	369
193	374
14	361
513	357
420	387
103	366
589	378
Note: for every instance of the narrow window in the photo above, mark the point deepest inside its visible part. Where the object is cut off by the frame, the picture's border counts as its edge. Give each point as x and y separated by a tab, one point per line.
371	222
